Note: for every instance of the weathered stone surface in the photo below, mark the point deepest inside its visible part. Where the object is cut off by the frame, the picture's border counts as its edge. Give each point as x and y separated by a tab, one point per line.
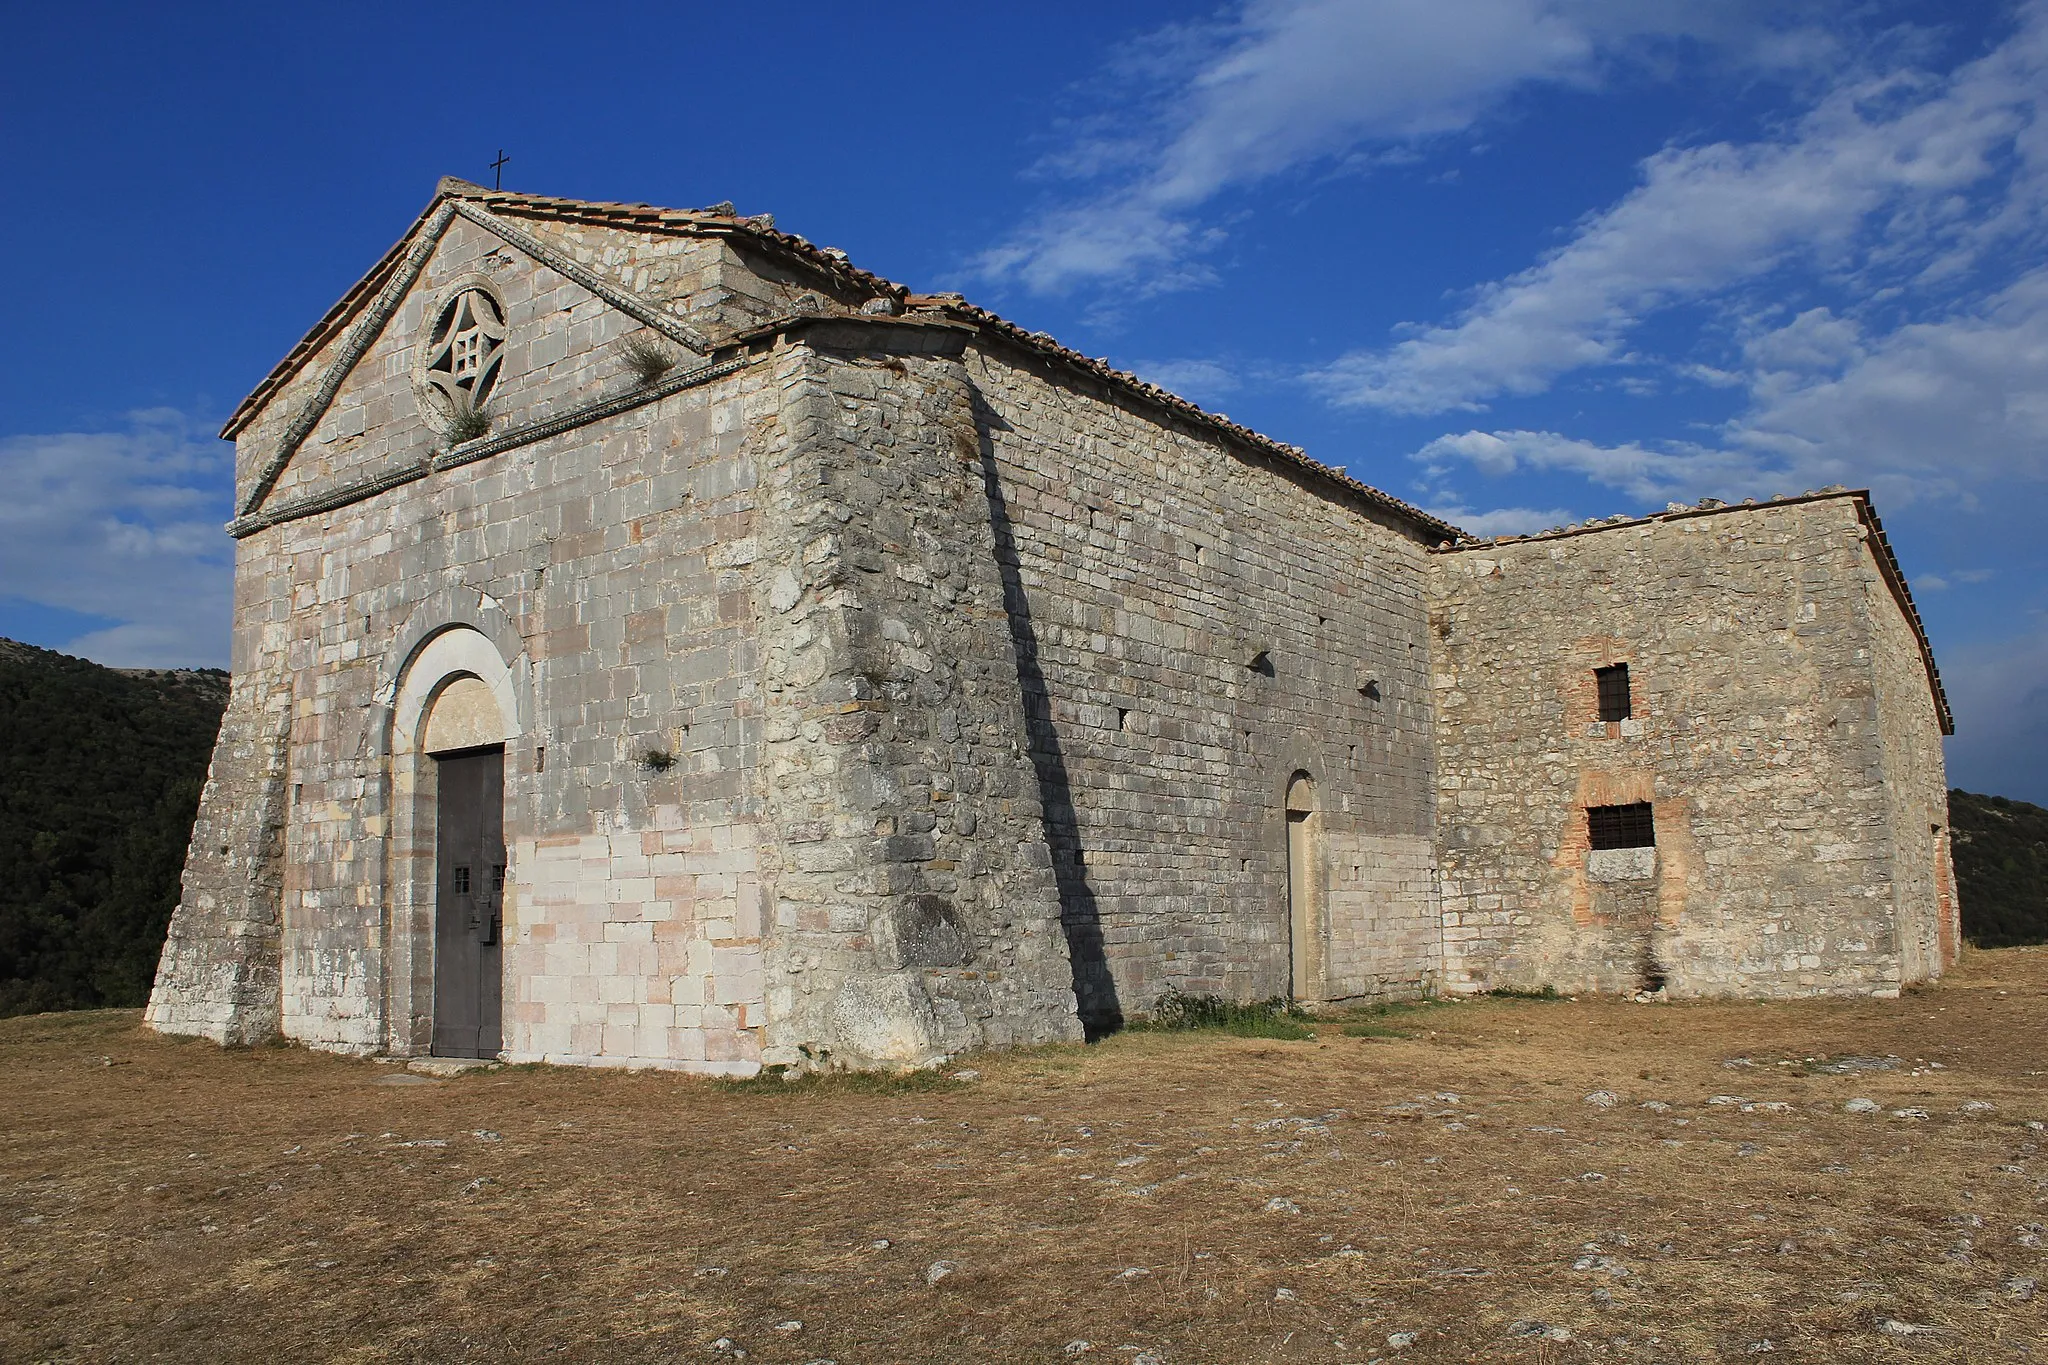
883	682
1784	731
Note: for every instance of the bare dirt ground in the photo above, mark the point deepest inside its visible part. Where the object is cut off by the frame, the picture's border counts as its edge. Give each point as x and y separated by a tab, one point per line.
1182	1197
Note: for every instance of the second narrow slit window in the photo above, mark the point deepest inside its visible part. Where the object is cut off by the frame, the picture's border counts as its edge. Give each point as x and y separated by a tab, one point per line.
1614	699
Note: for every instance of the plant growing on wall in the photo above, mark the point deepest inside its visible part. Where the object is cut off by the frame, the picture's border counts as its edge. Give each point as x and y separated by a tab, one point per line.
468	424
647	358
657	760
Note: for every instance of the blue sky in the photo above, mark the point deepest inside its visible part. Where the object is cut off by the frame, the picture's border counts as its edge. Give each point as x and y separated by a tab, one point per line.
1520	261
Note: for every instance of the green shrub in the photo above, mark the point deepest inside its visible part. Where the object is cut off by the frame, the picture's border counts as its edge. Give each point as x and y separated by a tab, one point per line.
1368	1029
1277	1017
2000	848
777	1080
468	425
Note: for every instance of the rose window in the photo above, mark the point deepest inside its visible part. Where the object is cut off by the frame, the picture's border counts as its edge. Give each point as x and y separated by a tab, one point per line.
464	349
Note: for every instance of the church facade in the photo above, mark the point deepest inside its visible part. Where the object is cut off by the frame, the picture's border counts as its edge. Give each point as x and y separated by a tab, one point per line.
658	642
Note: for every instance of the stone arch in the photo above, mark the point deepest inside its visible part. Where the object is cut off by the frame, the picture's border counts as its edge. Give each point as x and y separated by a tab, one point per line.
458	655
1306	921
452	609
454	691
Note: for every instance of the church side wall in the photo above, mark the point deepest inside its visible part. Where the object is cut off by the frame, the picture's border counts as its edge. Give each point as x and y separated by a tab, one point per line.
1192	629
1756	737
1915	784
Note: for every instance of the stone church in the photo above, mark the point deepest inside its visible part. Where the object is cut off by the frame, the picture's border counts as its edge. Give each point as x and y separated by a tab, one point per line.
659	642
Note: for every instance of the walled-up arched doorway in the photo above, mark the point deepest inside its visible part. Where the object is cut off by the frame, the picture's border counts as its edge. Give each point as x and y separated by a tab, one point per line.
453	715
1304	890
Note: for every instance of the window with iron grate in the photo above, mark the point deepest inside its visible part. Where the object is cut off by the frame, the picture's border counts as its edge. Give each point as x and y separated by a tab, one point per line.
1627	826
1614	699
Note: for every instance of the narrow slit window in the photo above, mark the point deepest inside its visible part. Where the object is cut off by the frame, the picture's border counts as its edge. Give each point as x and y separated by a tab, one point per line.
1614	699
1627	826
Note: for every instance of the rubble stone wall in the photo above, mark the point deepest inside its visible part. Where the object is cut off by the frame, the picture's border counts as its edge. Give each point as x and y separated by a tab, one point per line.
1916	787
1193	627
916	914
219	975
1761	734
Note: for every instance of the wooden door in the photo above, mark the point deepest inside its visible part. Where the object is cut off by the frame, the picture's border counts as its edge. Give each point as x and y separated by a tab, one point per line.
469	873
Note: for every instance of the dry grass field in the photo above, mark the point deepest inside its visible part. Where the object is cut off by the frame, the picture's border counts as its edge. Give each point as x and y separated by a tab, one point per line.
1450	1194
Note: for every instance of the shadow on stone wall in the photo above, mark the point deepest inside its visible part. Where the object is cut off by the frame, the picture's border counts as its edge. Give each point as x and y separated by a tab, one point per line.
1080	916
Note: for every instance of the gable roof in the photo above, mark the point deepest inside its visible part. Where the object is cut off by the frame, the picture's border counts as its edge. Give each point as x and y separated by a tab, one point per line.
759	234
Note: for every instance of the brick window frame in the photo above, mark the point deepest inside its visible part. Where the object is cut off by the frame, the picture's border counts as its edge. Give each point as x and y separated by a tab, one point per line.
1629	826
1612	685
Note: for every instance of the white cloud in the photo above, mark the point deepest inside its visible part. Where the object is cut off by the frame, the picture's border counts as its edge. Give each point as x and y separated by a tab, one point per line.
1943	409
1935	408
1877	177
1291	83
1198	381
125	526
1648	474
1504	521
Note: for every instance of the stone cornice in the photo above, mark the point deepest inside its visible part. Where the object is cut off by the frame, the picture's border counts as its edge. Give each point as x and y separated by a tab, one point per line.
483	447
360	336
636	308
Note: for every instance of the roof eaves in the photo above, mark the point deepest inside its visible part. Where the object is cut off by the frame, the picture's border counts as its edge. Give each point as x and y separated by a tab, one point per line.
1887	562
330	326
1129	383
720	220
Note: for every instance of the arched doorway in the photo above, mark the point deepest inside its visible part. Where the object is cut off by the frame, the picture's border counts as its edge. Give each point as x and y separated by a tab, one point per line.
453	715
1304	891
465	740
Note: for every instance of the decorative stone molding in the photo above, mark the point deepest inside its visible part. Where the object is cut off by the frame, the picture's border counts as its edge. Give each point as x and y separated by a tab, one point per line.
682	333
356	490
455	366
358	341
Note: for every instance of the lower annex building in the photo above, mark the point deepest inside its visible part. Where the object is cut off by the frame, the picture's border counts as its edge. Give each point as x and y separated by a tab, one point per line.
658	642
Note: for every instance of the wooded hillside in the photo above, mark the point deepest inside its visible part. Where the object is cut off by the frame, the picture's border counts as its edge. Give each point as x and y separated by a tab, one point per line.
2001	855
100	771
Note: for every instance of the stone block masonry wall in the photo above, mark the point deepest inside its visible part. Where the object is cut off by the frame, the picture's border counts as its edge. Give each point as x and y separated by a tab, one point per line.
613	566
1193	628
617	560
219	973
1757	735
1916	786
915	914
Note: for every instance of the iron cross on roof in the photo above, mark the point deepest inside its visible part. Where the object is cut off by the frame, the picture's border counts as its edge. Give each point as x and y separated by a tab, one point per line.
498	170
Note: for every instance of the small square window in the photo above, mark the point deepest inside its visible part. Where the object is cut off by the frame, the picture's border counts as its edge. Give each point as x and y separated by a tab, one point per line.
461	881
1621	826
1614	700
